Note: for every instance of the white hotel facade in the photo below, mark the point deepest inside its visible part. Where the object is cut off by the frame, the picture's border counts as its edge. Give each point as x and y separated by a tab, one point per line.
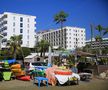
18	24
68	37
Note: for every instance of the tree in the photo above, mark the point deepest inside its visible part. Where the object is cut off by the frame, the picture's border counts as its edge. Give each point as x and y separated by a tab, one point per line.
15	45
98	38
26	51
105	31
60	18
87	48
100	29
43	46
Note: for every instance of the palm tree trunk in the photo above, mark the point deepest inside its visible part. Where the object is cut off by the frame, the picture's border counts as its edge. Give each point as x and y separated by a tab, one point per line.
91	33
15	53
43	54
100	44
22	55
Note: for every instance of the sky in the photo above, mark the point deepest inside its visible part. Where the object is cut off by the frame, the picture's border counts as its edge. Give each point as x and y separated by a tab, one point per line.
81	13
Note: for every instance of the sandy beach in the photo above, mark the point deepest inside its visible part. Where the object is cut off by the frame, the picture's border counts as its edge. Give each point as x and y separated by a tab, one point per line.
94	84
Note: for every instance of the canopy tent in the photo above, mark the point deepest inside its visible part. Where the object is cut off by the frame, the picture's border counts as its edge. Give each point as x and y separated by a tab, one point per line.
65	53
9	61
81	53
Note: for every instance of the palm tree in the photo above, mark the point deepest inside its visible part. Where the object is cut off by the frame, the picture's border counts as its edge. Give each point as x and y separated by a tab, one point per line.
98	38
60	18
87	48
43	46
106	31
15	45
100	29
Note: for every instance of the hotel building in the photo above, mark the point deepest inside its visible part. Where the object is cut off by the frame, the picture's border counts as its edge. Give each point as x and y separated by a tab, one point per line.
68	37
96	44
18	24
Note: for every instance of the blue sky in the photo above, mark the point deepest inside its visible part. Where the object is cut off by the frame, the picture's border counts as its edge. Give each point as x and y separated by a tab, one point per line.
82	13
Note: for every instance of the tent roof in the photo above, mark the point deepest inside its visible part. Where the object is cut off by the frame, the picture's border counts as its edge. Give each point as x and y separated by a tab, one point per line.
81	53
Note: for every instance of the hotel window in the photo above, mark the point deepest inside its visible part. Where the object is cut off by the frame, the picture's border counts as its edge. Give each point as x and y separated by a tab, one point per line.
27	42
27	31
70	42
28	19
13	30
69	33
82	42
28	37
13	18
69	37
67	46
13	23
21	19
28	25
21	24
74	46
21	35
21	30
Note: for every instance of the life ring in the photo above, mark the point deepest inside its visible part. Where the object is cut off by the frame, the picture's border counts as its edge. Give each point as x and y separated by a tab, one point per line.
61	72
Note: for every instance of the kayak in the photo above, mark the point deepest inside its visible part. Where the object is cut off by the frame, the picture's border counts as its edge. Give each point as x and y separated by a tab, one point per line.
20	73
62	72
16	66
24	78
16	70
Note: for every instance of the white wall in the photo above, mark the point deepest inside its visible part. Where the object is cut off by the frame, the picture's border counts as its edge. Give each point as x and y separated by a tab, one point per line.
28	31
